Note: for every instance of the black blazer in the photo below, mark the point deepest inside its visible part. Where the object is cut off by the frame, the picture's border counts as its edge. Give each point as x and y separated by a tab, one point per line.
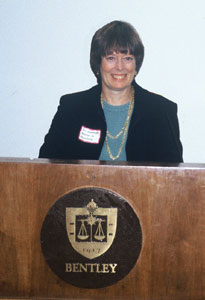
153	134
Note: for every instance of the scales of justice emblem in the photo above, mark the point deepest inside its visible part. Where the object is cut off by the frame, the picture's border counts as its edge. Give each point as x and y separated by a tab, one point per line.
91	229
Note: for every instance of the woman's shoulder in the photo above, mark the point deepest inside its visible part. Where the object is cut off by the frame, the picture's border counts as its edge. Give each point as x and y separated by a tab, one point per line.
81	97
153	100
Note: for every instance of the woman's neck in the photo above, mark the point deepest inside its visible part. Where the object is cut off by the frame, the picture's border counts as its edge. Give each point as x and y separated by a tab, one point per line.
117	97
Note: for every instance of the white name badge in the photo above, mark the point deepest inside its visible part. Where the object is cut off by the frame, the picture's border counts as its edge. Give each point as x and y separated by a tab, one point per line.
88	135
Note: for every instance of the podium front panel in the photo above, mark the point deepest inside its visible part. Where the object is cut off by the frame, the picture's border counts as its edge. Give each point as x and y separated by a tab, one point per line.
168	201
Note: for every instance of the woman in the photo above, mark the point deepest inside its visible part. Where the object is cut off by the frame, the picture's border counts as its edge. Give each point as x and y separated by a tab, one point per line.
116	119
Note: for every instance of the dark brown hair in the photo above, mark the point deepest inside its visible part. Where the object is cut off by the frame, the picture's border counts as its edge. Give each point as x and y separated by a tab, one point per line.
116	36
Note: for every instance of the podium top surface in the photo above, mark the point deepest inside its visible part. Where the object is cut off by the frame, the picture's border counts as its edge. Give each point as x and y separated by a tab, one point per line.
102	163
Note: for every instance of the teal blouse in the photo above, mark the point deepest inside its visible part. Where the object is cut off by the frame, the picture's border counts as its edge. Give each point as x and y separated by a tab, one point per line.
115	118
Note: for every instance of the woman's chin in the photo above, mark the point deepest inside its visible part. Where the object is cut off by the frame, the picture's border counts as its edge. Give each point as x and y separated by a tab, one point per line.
118	85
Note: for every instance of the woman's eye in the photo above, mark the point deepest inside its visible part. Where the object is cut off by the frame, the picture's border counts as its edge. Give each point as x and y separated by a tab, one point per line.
110	58
128	58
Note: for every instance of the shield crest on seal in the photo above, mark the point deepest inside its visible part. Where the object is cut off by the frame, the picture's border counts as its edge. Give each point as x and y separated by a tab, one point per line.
91	229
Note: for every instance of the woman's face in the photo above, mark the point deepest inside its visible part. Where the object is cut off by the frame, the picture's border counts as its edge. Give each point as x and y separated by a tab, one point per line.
117	70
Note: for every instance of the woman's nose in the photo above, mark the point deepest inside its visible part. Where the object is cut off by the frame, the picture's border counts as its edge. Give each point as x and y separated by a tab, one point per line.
119	63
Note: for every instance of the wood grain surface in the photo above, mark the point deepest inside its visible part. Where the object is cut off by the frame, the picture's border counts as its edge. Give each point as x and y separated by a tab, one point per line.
168	200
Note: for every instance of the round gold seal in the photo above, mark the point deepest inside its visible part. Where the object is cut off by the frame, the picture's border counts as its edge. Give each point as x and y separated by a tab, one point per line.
91	237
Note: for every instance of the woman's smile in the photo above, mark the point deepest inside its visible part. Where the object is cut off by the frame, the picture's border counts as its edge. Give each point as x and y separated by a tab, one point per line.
119	76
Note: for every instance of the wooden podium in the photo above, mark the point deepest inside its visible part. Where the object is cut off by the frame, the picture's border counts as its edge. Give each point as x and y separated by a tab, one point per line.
169	201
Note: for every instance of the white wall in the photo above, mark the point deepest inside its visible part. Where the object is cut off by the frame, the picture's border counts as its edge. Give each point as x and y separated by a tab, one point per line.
44	53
